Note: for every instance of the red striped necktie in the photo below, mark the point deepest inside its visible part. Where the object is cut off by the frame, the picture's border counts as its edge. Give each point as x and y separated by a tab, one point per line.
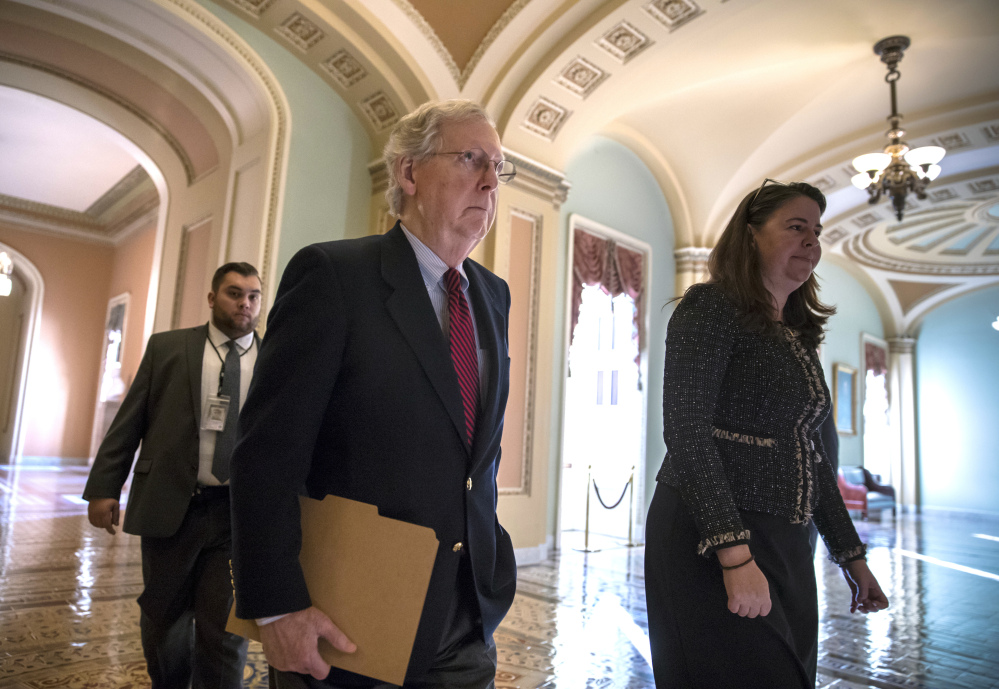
463	352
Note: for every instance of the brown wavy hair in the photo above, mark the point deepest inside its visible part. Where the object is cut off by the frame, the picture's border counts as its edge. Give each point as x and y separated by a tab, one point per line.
734	265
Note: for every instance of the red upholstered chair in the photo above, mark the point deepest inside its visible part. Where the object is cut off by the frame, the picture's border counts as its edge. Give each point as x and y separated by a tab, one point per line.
861	490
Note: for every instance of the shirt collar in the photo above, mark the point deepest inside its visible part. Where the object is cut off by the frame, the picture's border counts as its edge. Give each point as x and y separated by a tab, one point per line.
432	268
219	338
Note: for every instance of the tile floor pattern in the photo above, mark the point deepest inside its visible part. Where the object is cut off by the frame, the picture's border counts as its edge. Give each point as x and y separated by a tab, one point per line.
68	616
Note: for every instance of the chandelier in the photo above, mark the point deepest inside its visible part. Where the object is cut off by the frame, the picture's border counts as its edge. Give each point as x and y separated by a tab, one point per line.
898	170
6	268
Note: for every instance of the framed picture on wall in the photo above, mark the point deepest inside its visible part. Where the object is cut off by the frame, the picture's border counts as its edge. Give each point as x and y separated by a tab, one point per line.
845	399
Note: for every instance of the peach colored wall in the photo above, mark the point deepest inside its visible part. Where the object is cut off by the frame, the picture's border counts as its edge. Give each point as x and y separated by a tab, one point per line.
511	469
130	271
62	375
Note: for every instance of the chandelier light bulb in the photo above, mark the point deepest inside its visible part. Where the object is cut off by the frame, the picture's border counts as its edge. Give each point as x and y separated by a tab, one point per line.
861	180
871	161
932	173
5	285
925	155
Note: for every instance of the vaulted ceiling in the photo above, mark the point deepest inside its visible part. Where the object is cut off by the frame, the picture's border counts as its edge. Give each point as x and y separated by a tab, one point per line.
712	95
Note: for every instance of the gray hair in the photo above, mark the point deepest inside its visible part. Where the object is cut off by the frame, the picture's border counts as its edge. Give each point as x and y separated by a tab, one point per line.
420	134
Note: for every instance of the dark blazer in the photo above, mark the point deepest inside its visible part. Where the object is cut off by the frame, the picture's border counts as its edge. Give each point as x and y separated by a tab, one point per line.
162	410
741	419
355	395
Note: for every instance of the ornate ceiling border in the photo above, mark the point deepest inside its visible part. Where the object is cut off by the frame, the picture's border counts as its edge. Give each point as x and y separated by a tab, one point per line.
461	76
225	35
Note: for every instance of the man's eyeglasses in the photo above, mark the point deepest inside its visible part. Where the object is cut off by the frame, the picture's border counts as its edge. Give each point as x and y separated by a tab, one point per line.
476	161
772	181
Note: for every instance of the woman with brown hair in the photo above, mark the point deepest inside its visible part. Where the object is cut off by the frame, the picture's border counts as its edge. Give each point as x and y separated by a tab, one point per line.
729	571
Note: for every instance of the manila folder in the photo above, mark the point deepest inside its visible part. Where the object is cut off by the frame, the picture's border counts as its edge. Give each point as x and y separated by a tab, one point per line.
370	574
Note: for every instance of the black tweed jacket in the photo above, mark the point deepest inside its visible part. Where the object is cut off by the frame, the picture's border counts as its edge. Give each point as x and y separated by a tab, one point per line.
741	418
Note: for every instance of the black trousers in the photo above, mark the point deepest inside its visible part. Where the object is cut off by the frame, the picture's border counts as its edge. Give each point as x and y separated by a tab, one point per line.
186	600
696	642
464	659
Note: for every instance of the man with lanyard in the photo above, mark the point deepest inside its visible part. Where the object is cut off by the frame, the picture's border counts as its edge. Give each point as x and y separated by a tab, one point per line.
182	408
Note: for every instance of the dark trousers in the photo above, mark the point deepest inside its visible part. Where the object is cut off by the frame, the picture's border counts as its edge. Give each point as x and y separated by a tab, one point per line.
186	601
463	661
696	642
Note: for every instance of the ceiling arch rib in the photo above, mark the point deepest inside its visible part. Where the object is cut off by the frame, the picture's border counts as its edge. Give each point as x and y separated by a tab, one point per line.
349	46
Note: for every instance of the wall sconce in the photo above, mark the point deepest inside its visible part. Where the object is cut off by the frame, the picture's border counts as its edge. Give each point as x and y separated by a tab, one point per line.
995	323
6	268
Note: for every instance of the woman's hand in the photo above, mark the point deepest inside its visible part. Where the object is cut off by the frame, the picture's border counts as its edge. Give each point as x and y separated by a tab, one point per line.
867	594
747	587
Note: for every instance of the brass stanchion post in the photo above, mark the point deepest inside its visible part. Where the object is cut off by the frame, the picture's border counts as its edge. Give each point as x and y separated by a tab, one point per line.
586	537
631	507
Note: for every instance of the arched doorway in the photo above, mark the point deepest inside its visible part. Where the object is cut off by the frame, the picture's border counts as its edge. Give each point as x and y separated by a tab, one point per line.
20	313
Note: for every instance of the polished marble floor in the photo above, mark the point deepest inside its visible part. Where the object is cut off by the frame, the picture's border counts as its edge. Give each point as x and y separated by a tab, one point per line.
68	616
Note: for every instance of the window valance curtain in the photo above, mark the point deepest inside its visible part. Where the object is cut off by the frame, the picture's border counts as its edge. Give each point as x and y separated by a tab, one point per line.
615	269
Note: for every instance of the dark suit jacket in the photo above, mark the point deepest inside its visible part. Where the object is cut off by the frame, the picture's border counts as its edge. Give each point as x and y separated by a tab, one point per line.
355	395
162	410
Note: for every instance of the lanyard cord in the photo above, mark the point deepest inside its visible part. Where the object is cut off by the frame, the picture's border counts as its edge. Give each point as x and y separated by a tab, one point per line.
222	370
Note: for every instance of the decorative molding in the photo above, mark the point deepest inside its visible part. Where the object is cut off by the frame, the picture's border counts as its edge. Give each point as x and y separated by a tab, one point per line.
860	250
538	179
494	31
100	90
300	31
580	77
623	42
534	301
866	220
673	13
953	141
178	294
254	8
824	183
991	132
428	33
942	195
901	345
692	259
344	67
983	185
222	32
378	171
833	235
545	117
379	110
122	188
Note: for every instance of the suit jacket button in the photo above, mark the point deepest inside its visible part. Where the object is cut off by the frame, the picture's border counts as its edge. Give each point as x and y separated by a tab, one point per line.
457	546
468	483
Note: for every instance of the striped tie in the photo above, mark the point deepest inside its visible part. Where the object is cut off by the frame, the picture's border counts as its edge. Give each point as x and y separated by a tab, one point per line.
463	353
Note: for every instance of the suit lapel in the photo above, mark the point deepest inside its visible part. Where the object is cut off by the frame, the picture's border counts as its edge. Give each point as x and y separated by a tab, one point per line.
489	320
195	358
410	308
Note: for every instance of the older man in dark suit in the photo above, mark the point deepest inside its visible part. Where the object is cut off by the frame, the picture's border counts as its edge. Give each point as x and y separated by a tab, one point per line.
182	408
383	378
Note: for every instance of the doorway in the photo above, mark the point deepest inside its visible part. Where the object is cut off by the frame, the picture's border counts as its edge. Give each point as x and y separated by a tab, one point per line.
604	424
20	313
875	406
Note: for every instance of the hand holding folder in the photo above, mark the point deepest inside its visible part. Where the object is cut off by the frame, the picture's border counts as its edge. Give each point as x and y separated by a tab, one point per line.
370	575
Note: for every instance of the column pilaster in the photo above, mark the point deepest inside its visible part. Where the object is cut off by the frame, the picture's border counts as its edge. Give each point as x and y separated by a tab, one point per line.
905	462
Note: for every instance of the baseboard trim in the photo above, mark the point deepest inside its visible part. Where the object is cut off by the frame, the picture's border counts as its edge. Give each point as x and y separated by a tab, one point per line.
959	513
47	461
533	555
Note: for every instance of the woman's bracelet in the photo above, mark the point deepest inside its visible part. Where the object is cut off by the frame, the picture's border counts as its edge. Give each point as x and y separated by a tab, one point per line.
741	564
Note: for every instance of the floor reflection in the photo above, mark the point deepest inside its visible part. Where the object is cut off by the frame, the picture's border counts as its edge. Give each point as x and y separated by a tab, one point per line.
68	616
